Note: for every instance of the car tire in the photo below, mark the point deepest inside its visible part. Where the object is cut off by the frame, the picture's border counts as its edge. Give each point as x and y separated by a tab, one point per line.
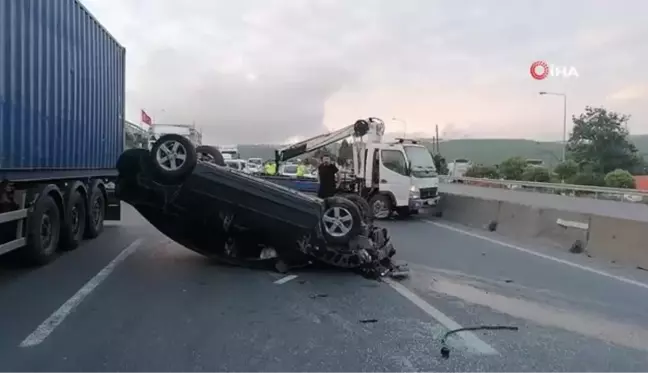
129	162
381	206
43	232
75	222
363	206
210	154
341	221
174	158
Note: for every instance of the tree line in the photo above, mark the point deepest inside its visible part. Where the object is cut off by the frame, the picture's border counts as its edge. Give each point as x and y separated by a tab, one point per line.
598	153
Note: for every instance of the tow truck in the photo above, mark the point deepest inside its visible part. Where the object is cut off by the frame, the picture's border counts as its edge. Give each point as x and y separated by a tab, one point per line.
392	177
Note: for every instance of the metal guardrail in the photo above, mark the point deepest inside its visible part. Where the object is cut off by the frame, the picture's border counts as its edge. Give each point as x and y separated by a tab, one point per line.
572	190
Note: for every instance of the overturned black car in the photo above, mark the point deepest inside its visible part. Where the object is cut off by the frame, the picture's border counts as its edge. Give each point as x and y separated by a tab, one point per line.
189	195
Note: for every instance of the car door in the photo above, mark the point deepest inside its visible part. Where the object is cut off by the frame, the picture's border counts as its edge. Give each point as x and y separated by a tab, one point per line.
393	175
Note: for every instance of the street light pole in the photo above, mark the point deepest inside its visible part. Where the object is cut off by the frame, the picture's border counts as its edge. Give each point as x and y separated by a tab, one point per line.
404	125
564	136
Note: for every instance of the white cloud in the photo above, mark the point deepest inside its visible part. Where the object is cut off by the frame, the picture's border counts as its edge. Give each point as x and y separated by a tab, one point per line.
267	70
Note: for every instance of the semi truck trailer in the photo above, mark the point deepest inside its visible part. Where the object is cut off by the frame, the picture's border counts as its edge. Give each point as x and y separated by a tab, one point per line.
61	126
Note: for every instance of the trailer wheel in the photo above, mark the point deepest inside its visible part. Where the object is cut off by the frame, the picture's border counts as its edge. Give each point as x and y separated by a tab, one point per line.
210	154
174	157
363	206
96	213
75	223
43	232
341	220
381	206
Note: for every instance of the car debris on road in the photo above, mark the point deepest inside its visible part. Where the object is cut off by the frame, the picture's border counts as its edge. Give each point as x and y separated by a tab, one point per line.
242	220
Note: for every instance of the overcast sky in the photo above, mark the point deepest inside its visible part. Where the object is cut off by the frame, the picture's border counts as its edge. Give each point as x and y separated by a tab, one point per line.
264	71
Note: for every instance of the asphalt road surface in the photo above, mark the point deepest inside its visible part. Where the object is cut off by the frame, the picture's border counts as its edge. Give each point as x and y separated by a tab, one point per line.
615	209
132	300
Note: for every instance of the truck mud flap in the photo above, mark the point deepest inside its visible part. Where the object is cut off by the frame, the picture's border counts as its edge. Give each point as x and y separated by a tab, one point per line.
113	206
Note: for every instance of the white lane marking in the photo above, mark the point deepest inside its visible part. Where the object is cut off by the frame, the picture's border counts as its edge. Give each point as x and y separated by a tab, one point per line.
540	255
470	339
47	327
283	280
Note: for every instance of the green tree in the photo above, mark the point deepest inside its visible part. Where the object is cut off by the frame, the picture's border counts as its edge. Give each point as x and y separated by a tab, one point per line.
481	171
440	164
345	153
587	176
619	179
537	174
600	139
566	170
513	168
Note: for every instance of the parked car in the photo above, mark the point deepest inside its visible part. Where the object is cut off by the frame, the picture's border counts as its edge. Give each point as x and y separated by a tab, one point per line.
289	170
228	215
238	164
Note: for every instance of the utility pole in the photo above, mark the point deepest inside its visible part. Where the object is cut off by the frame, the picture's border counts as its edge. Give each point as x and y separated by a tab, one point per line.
436	126
564	135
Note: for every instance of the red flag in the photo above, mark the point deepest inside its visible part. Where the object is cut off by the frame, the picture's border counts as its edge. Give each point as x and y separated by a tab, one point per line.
146	119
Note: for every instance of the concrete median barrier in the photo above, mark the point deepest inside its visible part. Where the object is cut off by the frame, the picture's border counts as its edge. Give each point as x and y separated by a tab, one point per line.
469	211
624	241
619	240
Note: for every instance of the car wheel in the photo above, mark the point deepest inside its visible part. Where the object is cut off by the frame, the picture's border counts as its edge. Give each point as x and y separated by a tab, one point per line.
381	206
210	154
341	220
174	157
129	162
363	206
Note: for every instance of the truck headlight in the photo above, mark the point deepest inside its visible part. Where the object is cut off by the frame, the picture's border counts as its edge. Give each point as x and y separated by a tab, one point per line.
414	193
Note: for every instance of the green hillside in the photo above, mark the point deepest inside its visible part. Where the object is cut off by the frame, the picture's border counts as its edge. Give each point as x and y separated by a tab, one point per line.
485	151
493	151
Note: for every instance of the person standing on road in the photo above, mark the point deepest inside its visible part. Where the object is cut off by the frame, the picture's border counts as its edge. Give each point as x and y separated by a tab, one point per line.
301	169
326	173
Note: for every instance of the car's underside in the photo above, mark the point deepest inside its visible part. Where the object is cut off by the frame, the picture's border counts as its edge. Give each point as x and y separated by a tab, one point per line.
369	254
210	215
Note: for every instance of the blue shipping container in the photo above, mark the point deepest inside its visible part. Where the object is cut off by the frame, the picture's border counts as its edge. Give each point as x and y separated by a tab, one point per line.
61	88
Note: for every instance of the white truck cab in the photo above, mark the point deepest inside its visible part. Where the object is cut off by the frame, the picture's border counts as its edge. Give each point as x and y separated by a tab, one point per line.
424	191
406	173
229	151
392	177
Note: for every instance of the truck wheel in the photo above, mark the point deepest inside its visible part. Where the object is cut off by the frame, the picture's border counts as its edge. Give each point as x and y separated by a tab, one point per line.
381	206
174	157
75	221
96	213
341	220
363	206
210	154
43	232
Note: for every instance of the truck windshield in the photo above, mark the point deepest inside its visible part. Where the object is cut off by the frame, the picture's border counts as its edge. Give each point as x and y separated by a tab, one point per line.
421	161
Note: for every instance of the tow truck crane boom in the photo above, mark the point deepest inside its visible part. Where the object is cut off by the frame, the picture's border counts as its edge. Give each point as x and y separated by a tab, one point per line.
373	127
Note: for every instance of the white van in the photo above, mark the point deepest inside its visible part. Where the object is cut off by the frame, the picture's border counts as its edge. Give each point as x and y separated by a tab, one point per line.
458	168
